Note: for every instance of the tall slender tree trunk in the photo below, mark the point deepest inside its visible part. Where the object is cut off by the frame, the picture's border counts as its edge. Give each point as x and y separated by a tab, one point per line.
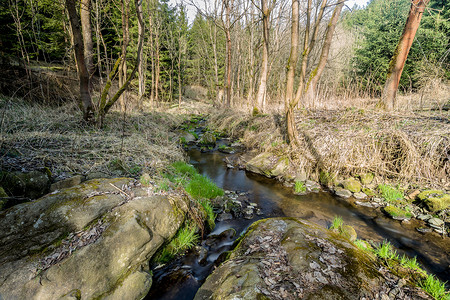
152	51
317	72
85	97
401	53
228	4
125	6
260	98
291	66
86	26
140	54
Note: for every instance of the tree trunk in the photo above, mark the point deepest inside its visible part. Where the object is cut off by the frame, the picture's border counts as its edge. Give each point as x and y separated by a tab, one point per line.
228	36
86	26
125	5
85	97
140	54
260	98
401	53
317	72
104	104
292	63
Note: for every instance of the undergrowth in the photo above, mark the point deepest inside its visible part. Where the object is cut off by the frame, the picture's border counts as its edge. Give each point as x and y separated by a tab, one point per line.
185	239
299	187
390	194
337	223
350	142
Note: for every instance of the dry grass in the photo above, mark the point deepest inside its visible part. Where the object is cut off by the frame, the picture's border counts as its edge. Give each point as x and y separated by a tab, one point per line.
34	136
399	147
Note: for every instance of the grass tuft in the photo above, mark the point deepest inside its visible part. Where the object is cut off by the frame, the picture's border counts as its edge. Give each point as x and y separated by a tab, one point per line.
435	288
337	223
389	193
300	187
386	251
202	187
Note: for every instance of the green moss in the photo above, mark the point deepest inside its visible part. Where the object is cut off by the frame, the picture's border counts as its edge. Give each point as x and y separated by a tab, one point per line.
367	178
368	192
397	213
425	194
325	178
352	184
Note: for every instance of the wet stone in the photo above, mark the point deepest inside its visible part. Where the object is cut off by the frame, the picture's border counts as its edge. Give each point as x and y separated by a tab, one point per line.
435	222
343	193
360	195
424	217
224	217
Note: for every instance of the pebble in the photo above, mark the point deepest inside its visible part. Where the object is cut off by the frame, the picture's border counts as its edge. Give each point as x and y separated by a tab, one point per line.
435	222
366	204
424	229
343	193
360	195
424	217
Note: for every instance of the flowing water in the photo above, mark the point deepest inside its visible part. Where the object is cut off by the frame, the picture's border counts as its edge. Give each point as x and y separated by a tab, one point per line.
181	279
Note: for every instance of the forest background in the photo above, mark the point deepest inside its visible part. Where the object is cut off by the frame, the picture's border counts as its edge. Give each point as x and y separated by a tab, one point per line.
181	59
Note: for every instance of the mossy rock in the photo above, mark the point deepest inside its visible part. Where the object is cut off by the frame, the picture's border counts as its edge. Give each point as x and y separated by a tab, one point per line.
435	200
268	164
305	257
366	178
435	204
352	184
3	194
368	192
397	213
208	139
32	184
348	232
433	193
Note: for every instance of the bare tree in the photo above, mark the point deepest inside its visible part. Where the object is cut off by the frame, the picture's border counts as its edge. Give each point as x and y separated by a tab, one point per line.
86	26
401	53
85	97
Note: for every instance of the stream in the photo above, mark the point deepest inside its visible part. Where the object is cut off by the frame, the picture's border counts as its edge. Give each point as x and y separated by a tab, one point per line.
181	278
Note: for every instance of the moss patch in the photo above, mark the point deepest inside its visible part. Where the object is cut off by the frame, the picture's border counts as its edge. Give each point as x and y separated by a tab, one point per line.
397	213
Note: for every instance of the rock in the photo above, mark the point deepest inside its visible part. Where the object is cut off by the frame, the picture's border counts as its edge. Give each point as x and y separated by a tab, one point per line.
367	178
188	138
294	259
424	217
349	232
429	193
360	195
367	204
368	192
224	217
438	203
424	230
226	149
96	175
352	184
208	139
268	164
412	195
436	222
114	238
32	184
66	183
397	213
341	192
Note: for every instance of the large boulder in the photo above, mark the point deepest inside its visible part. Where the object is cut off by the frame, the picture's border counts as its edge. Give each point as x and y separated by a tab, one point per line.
284	258
268	164
32	184
89	241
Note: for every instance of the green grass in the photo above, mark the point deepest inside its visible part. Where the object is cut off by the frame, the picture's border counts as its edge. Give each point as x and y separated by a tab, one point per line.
163	185
202	187
337	223
410	263
363	245
435	288
386	251
389	193
185	239
183	168
210	215
299	187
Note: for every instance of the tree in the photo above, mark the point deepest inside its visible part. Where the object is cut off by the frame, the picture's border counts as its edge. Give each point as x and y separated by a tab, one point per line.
401	53
86	26
85	97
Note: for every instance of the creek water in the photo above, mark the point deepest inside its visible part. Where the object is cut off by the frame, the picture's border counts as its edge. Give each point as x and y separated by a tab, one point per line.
181	278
